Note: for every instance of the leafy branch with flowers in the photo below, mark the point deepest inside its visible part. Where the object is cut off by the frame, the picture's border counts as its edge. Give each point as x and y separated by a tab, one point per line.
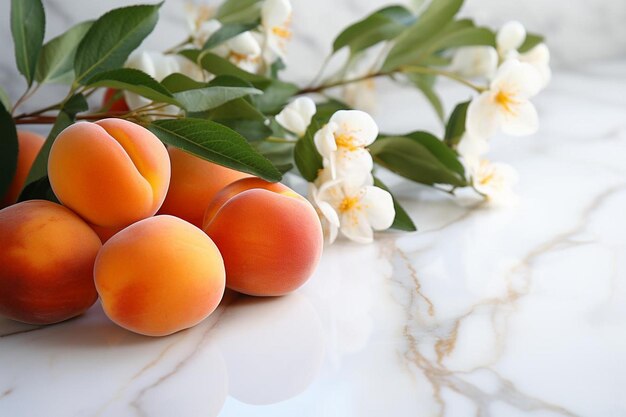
219	95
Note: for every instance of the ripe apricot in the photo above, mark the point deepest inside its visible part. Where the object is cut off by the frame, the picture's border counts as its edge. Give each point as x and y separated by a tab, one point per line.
269	236
118	105
29	145
111	172
193	184
159	275
46	263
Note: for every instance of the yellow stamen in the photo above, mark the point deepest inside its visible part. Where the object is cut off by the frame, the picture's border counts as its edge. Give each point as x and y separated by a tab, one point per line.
237	57
281	32
486	179
349	203
346	141
506	100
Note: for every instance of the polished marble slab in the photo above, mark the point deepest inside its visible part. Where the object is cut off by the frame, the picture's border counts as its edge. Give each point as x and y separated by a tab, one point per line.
516	311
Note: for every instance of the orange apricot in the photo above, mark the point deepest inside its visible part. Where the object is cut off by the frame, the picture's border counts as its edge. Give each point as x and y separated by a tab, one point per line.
269	236
29	144
193	185
111	172
46	263
118	105
159	275
105	233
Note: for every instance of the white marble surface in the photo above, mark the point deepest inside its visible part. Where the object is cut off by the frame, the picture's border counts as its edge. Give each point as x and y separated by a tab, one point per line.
483	312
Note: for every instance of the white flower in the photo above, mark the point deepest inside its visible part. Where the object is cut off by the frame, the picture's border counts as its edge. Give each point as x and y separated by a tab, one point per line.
342	144
494	180
196	15
506	104
242	50
510	37
296	116
539	58
275	20
205	30
472	147
361	94
356	211
158	66
475	61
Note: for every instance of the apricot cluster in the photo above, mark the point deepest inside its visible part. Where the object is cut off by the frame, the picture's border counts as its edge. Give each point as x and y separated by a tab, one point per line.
157	234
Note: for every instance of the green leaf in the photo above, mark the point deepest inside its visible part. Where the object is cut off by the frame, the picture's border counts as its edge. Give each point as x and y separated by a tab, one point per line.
251	129
281	154
236	109
219	66
208	98
39	190
56	60
413	160
226	32
216	143
241	116
438	14
76	104
382	25
275	96
8	150
426	84
66	117
112	38
5	100
28	24
277	66
530	42
177	82
456	125
402	221
239	11
440	150
305	154
135	81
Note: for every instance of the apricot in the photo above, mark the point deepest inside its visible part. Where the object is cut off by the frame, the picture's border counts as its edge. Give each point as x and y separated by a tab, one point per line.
118	105
29	145
193	185
111	172
46	263
105	233
270	237
159	275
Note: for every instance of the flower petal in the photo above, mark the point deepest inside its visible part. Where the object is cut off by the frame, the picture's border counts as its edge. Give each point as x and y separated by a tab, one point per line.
483	116
379	209
539	58
305	106
518	78
510	37
275	13
244	44
475	61
291	120
355	226
522	120
354	167
325	140
357	124
471	147
296	116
